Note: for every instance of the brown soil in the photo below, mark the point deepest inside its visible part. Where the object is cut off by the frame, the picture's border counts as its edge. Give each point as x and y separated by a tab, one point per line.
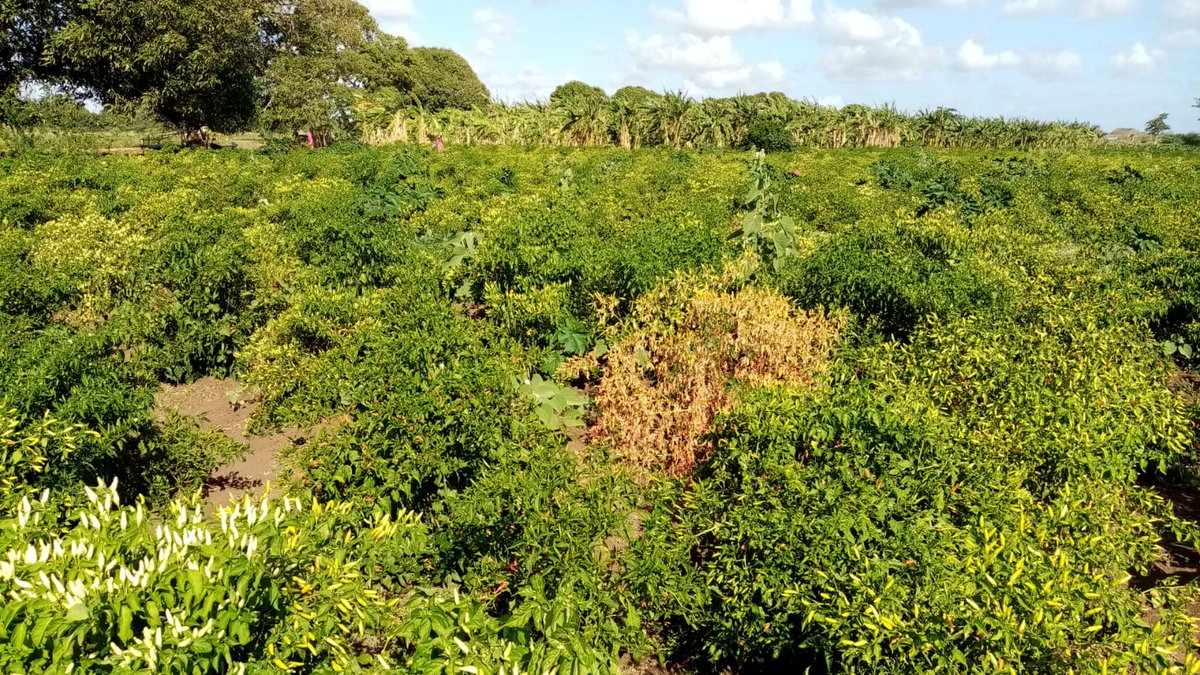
208	399
1178	563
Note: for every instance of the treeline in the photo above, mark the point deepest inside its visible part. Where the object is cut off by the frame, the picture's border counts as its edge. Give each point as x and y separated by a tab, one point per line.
584	116
325	67
225	65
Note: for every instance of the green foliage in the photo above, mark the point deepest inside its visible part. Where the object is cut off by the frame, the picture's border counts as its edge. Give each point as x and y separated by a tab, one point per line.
891	277
769	136
329	51
917	548
1158	125
94	584
962	491
577	92
195	64
442	79
557	407
764	231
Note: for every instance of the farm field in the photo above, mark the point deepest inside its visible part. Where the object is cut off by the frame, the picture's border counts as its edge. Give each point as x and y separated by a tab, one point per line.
599	410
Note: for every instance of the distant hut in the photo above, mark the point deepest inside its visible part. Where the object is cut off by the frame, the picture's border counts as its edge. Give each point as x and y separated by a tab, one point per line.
1122	135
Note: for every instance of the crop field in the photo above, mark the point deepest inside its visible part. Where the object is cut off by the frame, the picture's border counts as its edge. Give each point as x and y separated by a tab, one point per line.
602	410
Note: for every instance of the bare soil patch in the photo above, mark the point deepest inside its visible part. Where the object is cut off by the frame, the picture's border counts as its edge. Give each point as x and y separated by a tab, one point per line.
209	400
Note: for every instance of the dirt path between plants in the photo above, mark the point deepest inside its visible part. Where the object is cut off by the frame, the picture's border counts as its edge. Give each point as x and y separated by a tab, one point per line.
208	399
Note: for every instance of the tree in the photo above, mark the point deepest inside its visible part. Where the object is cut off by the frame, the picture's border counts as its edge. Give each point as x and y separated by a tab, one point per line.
585	109
769	135
625	109
25	25
1157	126
195	63
576	91
443	79
323	53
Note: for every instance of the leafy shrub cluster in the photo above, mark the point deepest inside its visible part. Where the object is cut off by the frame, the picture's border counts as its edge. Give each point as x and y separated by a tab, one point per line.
882	411
690	346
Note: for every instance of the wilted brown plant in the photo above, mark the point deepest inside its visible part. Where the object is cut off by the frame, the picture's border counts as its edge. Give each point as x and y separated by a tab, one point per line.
665	381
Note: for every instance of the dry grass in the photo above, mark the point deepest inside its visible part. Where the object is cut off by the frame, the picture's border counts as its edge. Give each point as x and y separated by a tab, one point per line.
664	383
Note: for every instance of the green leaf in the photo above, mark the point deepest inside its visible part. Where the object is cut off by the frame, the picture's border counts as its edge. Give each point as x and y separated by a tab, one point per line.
572	340
548	417
125	625
78	612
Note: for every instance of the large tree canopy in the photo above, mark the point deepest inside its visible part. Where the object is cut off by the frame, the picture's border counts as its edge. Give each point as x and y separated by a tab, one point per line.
24	27
443	79
194	63
289	64
320	57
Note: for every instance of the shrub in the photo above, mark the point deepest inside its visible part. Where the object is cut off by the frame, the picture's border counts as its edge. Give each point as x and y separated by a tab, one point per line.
891	277
954	505
680	364
769	136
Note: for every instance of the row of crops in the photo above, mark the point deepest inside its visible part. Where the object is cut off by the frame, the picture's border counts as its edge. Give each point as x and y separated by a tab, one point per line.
593	410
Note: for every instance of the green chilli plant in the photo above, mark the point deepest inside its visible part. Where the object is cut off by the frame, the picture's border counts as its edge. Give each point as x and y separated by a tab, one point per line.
763	230
463	248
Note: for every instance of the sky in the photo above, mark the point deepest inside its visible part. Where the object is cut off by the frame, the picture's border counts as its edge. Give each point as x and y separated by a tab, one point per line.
1115	63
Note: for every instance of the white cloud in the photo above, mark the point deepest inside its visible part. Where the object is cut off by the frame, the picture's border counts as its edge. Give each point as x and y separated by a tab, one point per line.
1103	9
925	3
485	46
833	101
1183	38
872	47
1053	65
531	83
391	10
394	16
1030	7
686	53
772	70
1183	9
707	63
971	56
1137	61
724	17
493	23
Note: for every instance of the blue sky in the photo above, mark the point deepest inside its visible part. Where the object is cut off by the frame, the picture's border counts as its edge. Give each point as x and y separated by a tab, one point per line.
1116	63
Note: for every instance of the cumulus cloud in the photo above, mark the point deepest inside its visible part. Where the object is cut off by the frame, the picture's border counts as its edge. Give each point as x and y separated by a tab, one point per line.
1030	7
772	70
724	17
686	53
1104	9
391	10
1183	38
706	62
1186	10
493	23
394	16
872	47
1053	65
531	83
1139	60
972	56
892	4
